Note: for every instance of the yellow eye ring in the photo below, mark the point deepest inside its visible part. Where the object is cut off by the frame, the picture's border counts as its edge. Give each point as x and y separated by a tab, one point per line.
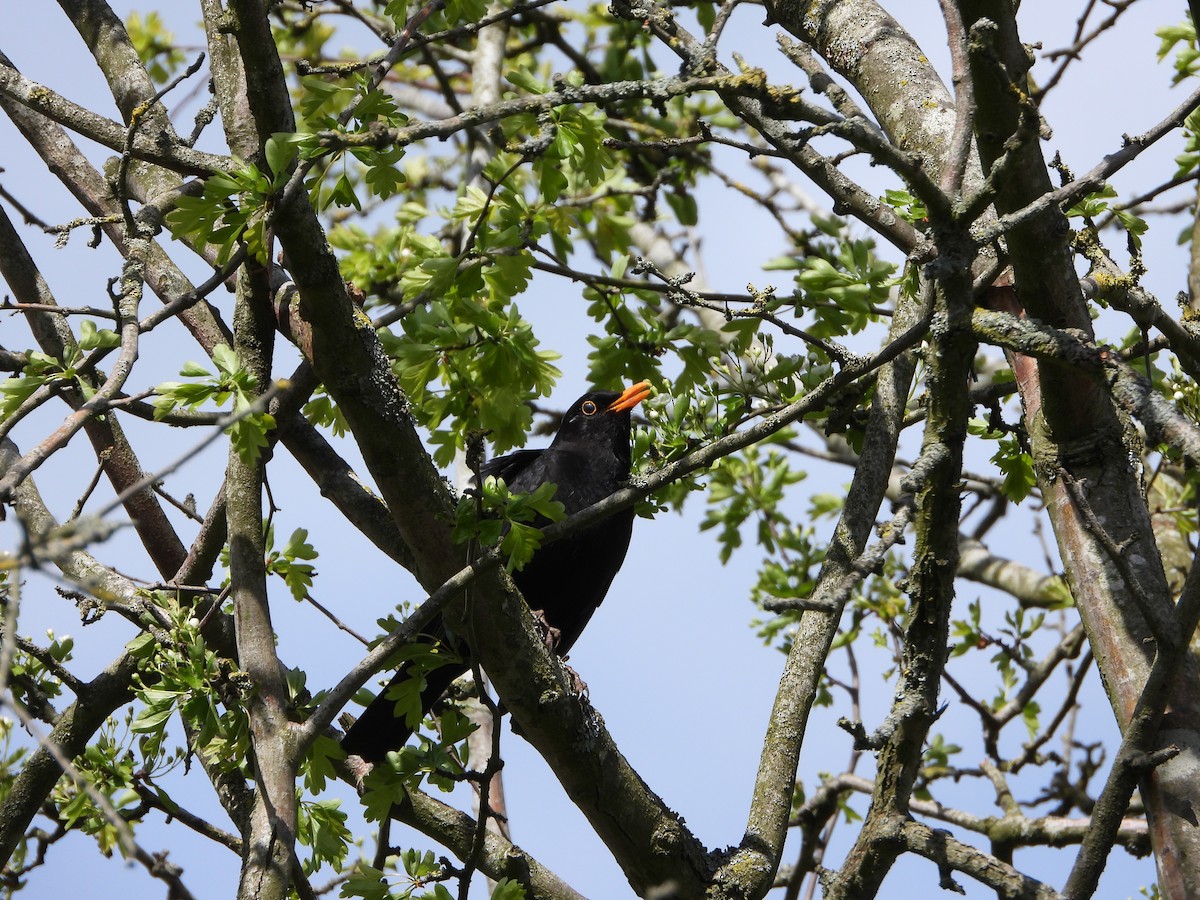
589	408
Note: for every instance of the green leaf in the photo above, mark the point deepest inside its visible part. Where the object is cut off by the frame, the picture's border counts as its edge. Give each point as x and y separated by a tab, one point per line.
506	889
321	410
281	149
909	207
230	210
226	359
15	391
526	80
382	789
620	263
553	182
1029	715
1093	205
298	547
155	45
160	704
454	726
519	544
684	206
91	338
343	194
465	10
194	370
367	882
322	827
142	645
249	435
318	766
1017	466
383	179
1133	224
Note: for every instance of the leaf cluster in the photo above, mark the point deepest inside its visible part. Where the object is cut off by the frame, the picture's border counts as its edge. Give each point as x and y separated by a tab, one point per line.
285	562
110	770
843	288
419	660
42	369
31	677
155	45
493	515
178	671
1181	39
1011	458
323	104
231	381
231	212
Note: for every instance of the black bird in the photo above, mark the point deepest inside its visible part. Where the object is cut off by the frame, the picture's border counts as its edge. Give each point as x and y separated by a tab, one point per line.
564	581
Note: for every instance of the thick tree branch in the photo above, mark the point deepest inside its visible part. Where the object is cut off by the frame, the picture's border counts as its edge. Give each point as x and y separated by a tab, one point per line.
864	44
176	157
500	858
1074	428
751	869
269	836
934	479
1029	586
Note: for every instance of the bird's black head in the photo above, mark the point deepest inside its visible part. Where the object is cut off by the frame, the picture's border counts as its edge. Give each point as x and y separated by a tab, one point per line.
602	417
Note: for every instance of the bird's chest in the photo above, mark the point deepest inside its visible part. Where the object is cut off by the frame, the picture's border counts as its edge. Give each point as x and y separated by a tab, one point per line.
582	480
568	578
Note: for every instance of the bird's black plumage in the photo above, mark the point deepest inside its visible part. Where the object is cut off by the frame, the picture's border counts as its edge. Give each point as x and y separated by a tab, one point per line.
566	580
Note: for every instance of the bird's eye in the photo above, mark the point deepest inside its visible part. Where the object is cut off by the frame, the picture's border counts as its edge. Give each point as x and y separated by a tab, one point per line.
589	408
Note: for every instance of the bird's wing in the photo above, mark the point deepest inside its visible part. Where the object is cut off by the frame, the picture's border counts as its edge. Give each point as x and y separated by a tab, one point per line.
510	466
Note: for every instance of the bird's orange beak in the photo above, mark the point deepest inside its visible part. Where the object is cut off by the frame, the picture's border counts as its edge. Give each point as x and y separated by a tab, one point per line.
630	397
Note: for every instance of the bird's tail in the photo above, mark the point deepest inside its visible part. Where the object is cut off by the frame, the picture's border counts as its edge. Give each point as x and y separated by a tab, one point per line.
379	729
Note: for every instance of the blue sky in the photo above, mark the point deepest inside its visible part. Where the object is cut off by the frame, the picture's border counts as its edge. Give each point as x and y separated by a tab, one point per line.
681	680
